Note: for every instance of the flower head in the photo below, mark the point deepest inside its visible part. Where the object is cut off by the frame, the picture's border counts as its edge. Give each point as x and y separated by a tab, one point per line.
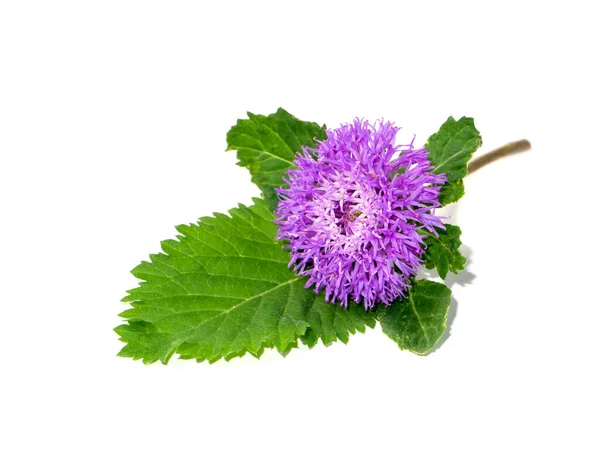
355	211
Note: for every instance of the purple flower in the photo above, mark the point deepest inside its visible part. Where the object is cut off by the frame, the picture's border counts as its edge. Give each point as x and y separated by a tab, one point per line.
353	212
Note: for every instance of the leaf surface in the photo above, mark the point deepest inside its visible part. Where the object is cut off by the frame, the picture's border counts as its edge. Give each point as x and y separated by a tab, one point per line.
451	192
443	252
329	322
450	150
223	289
417	322
267	145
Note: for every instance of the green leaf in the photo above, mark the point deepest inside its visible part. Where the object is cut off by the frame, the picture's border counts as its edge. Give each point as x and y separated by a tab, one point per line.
267	145
452	146
451	192
332	322
417	322
223	289
443	251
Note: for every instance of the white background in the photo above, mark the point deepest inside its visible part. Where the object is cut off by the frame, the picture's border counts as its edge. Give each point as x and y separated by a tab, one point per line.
113	118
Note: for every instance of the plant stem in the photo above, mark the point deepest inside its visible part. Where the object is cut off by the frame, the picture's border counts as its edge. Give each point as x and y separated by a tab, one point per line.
511	148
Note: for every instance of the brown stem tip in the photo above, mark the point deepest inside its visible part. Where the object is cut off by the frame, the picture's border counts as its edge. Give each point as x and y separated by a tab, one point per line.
511	148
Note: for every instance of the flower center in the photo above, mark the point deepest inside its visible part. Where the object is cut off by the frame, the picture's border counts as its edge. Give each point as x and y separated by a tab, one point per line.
352	217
